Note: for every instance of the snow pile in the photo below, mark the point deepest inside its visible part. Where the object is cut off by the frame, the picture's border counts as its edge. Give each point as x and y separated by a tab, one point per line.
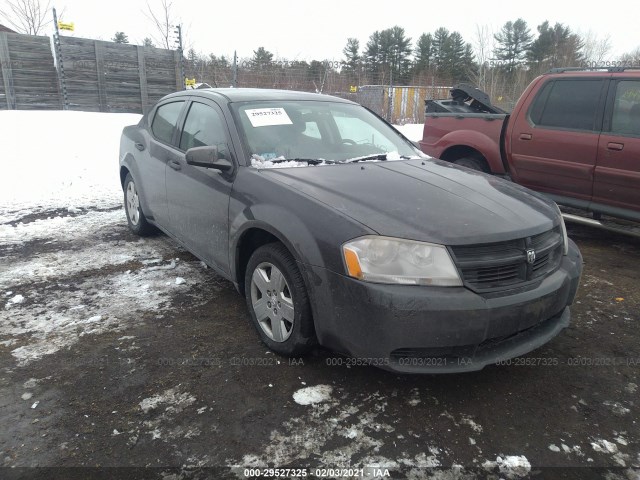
260	162
313	395
511	466
412	131
59	159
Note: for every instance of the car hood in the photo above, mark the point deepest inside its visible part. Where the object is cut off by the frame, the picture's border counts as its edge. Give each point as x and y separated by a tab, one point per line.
426	200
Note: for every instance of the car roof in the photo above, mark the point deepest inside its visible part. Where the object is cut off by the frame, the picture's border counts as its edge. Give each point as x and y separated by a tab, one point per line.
595	72
255	94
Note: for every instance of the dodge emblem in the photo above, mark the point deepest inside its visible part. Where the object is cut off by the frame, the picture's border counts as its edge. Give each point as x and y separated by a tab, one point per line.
531	255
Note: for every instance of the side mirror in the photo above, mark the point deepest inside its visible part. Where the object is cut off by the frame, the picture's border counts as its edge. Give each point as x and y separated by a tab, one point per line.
207	157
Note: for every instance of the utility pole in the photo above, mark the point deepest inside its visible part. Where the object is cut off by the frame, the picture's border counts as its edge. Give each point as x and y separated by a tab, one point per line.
178	31
58	51
235	69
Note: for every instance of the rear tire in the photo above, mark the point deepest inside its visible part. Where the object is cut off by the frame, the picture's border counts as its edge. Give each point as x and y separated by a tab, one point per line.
138	223
473	163
278	302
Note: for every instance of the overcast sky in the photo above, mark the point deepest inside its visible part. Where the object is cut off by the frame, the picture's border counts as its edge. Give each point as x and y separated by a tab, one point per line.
319	29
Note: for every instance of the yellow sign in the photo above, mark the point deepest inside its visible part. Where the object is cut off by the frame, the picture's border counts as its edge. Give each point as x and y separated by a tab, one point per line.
66	26
190	82
353	89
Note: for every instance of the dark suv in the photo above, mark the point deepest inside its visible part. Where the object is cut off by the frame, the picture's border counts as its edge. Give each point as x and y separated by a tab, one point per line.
338	230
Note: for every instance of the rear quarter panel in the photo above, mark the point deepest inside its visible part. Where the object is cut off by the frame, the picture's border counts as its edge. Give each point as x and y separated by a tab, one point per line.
481	132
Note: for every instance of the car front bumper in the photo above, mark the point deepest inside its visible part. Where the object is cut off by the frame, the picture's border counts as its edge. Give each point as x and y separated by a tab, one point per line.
438	329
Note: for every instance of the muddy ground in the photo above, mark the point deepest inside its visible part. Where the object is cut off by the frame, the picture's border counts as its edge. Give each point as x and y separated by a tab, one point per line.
121	352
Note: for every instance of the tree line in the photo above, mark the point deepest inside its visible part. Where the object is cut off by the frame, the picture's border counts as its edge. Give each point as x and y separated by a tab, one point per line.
502	63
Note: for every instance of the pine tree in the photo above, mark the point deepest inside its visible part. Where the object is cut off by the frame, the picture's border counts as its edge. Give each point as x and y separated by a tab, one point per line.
424	53
147	42
440	45
372	53
555	46
120	37
262	58
351	54
514	40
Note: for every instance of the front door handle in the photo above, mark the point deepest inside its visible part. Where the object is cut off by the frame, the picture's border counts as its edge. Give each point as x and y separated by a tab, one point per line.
615	146
526	136
139	146
175	165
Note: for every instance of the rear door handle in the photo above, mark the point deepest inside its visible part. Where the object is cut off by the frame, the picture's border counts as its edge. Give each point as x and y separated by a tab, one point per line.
139	146
526	136
175	165
615	146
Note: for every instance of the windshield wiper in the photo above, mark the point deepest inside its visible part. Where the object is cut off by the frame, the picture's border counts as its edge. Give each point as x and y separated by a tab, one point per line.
377	156
309	161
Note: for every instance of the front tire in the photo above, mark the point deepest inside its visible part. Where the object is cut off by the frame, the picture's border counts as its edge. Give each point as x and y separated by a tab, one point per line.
473	163
138	223
278	302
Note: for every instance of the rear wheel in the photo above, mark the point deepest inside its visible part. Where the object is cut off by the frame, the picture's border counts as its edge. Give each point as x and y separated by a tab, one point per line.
473	163
135	217
278	302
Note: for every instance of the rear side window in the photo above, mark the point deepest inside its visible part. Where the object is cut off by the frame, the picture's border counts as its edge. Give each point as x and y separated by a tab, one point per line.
165	121
571	104
626	108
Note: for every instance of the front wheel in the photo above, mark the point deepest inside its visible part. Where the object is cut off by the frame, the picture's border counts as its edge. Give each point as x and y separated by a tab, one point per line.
278	302
135	217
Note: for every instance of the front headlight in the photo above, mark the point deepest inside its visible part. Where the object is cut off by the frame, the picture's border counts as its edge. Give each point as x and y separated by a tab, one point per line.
565	237
394	260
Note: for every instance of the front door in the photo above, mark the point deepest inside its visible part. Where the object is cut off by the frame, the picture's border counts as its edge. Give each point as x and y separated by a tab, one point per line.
198	197
554	144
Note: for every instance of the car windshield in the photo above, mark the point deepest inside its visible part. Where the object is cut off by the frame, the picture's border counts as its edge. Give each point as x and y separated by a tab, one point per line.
300	133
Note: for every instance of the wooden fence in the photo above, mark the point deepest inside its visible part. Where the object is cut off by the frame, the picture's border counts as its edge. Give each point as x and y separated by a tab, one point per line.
99	76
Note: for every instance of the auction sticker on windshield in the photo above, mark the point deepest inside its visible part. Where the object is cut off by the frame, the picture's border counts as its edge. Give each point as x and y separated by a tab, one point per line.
263	117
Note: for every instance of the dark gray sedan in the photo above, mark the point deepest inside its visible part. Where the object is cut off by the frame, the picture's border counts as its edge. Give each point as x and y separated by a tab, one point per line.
338	231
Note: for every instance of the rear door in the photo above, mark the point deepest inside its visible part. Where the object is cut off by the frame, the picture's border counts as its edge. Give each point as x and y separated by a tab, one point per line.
554	144
617	173
198	197
163	131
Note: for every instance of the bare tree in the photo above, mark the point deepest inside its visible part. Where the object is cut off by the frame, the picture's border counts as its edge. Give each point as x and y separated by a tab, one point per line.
27	16
483	45
595	49
631	59
164	23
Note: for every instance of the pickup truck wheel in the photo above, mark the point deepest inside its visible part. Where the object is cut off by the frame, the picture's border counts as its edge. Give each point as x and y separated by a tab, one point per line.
135	217
278	301
473	163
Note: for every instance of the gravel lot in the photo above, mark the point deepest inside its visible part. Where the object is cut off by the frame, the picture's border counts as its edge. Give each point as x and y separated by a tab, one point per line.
116	351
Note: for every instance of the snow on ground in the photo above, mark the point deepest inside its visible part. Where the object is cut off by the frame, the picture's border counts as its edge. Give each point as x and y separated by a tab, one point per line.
63	200
58	159
162	410
413	131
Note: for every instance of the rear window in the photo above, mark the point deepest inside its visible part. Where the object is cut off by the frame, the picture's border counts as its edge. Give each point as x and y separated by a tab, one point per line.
165	121
570	104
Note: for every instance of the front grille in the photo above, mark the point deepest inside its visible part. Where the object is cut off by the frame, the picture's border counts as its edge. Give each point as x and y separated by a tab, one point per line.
498	266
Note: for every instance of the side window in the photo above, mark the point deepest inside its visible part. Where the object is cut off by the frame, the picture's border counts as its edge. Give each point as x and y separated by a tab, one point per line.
626	108
569	104
165	120
204	127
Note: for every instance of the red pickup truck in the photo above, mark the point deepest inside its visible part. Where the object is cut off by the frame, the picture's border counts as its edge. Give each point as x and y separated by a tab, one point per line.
574	135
